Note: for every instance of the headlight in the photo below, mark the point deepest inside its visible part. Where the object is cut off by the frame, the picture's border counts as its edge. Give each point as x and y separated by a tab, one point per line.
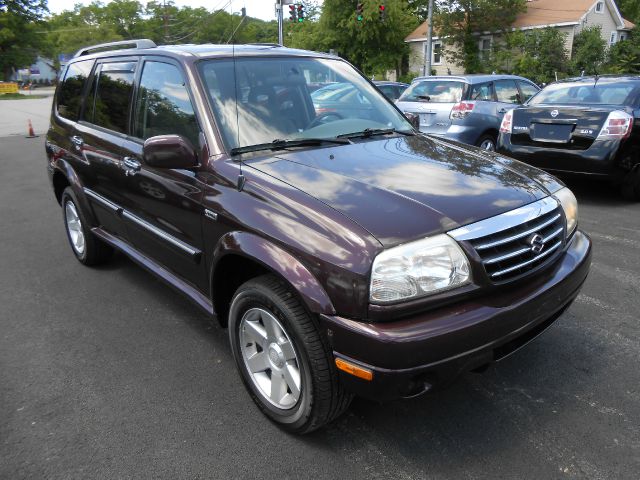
418	268
570	206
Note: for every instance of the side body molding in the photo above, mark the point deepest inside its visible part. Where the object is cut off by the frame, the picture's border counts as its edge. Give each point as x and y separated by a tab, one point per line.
279	261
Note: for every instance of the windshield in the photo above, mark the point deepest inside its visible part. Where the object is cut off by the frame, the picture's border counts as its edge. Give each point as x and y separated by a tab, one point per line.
433	91
267	99
605	93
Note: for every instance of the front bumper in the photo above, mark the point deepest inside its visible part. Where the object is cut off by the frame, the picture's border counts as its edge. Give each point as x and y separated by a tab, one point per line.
412	355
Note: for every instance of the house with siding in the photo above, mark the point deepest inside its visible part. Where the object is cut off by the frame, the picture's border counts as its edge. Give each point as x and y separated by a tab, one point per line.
568	16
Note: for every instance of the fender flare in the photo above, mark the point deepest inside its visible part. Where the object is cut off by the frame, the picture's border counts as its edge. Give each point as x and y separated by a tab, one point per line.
279	261
62	167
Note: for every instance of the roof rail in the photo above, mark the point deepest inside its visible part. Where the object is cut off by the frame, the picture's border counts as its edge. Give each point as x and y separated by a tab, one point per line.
265	44
140	43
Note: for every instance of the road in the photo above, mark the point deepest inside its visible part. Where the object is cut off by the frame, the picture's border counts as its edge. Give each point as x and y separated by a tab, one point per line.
14	114
107	373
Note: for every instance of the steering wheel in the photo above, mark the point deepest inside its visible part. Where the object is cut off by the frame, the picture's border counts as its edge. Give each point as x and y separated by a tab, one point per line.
319	119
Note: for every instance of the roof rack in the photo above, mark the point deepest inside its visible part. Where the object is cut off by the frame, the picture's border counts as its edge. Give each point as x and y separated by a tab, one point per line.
265	44
140	43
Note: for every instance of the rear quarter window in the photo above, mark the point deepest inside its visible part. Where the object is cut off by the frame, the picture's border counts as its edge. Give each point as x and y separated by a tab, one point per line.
69	97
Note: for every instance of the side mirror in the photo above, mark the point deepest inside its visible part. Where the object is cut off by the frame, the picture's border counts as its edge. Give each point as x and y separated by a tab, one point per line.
169	151
414	119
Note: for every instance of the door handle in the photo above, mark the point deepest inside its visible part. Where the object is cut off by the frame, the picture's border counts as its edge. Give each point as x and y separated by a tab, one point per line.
77	141
131	166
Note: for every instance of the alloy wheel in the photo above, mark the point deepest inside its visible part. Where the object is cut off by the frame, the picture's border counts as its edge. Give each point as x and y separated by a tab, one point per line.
74	227
270	358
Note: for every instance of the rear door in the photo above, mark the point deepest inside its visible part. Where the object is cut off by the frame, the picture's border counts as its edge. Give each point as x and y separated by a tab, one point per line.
102	129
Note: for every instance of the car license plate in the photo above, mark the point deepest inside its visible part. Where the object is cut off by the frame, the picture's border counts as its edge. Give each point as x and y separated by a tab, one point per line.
551	132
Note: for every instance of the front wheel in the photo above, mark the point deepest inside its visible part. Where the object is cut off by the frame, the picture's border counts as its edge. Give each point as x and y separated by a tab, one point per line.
282	358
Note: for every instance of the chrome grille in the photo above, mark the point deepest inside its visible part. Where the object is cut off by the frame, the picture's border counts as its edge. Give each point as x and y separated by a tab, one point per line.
517	242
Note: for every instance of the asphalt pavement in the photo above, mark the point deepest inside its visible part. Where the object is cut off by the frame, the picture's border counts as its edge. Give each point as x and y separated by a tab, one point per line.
107	373
15	114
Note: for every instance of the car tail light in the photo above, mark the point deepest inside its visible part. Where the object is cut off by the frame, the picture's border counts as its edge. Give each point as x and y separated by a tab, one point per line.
462	110
507	122
617	126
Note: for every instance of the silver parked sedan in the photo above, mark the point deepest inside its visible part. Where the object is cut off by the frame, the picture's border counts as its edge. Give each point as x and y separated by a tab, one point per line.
466	108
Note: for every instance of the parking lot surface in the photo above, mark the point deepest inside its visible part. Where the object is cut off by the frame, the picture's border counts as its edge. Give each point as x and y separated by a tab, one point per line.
107	373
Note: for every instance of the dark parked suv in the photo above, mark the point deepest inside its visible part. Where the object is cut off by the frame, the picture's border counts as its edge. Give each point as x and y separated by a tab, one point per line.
345	255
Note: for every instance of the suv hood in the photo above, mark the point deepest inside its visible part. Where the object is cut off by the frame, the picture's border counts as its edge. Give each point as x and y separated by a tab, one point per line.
404	188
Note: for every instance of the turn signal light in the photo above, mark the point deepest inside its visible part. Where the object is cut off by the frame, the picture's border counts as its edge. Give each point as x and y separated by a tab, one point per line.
353	369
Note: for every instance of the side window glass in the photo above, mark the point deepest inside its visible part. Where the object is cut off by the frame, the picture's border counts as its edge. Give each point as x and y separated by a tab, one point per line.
70	93
528	90
163	106
507	92
482	91
110	97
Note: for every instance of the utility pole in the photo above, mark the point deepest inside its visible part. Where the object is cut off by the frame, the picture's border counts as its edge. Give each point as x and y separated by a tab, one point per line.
427	54
279	13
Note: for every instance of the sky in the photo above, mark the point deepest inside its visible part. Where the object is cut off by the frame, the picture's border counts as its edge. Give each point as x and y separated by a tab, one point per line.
263	9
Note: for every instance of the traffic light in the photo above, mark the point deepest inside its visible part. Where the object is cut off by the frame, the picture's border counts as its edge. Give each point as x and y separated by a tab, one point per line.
382	12
300	13
292	13
360	11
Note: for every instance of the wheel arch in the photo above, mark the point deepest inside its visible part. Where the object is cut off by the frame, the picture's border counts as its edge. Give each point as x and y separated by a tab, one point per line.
240	256
64	176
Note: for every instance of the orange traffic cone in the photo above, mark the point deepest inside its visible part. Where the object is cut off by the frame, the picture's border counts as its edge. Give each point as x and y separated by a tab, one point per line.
31	132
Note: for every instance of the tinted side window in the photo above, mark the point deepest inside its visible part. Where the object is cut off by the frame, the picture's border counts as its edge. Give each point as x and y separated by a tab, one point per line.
528	90
108	104
482	91
163	106
70	93
506	91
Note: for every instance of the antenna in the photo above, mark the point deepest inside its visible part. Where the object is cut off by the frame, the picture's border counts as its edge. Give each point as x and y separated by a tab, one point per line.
241	179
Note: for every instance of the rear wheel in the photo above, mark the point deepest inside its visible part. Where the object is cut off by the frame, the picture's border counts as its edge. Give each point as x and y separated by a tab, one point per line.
85	246
630	188
282	358
487	142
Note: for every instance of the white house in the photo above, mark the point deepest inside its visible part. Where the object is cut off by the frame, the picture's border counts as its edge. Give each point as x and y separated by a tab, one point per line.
569	16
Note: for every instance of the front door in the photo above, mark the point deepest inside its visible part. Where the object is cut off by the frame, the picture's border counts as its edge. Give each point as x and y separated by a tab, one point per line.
164	217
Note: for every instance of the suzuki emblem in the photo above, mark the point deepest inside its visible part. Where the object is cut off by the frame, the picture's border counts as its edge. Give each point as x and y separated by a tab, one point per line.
536	242
554	113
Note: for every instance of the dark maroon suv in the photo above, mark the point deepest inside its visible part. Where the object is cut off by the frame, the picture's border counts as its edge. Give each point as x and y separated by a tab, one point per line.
346	254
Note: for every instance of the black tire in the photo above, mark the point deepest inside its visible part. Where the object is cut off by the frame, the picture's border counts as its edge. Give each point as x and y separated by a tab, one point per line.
322	398
630	187
95	251
487	139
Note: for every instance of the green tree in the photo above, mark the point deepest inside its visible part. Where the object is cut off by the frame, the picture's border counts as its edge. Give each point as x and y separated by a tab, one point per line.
459	21
21	23
371	44
630	9
624	56
589	51
536	54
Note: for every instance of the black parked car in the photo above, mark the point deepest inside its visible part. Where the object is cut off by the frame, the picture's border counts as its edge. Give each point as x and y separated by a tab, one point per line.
587	125
345	255
391	90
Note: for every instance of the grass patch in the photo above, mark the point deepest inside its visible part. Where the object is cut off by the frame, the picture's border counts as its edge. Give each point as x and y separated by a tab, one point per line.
19	96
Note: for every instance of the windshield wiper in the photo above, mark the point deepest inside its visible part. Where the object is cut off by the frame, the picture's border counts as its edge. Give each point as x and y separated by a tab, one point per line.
370	132
279	144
